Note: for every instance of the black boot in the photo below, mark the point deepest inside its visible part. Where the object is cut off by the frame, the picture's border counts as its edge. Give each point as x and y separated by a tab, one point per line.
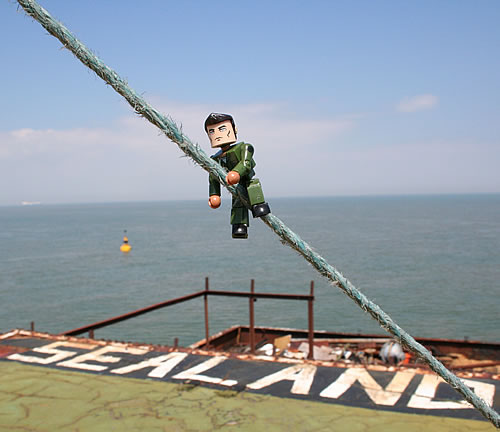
240	231
259	210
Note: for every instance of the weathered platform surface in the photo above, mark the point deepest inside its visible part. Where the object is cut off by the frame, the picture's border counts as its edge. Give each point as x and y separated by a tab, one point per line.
85	385
34	398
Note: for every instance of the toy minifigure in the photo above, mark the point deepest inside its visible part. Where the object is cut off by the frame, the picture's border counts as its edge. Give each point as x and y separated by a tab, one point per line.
238	159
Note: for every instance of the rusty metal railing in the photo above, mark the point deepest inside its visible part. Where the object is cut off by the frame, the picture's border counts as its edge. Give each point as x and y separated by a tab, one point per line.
252	297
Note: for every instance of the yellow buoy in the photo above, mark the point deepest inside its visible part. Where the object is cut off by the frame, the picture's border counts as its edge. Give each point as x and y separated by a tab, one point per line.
125	247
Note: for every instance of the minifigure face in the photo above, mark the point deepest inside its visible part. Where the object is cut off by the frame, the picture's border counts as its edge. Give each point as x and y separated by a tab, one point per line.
221	134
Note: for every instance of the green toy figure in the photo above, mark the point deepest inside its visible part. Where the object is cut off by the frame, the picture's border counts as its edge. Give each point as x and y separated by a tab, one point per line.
238	159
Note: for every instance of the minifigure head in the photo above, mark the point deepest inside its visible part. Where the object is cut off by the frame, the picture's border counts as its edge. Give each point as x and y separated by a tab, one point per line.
221	129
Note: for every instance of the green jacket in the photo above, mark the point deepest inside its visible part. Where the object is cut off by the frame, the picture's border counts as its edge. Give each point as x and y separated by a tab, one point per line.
238	158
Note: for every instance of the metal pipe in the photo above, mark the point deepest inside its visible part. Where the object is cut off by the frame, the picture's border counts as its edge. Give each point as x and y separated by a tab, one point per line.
252	295
261	295
310	319
252	322
475	365
132	314
205	300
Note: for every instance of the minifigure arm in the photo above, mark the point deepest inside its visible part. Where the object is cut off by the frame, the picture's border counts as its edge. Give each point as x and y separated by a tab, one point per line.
213	192
246	163
213	186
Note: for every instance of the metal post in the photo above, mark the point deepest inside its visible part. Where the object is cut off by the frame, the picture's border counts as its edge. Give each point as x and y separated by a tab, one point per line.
252	322
310	316
91	334
205	297
32	325
176	342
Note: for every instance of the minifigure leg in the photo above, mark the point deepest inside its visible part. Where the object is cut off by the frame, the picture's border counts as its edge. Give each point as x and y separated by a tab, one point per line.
239	215
255	194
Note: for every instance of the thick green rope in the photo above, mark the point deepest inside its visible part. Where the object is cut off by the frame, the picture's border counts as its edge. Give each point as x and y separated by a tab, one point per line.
287	236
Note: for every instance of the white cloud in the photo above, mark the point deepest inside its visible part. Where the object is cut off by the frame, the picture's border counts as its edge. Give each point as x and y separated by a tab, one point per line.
132	160
417	167
296	155
417	103
260	123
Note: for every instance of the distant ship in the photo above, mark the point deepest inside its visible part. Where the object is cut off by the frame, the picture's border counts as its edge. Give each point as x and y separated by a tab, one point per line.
29	203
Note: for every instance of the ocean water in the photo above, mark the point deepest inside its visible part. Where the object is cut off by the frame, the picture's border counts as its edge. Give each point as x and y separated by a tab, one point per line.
431	262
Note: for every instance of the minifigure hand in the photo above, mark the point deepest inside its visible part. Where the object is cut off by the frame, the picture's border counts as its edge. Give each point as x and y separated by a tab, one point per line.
232	177
214	201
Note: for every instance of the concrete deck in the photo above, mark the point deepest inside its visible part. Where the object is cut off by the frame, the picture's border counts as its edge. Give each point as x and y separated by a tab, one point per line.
41	399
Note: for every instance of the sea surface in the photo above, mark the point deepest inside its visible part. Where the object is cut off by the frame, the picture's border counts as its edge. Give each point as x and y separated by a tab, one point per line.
431	262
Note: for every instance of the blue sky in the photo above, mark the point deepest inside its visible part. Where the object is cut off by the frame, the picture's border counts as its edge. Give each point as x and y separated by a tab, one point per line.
338	97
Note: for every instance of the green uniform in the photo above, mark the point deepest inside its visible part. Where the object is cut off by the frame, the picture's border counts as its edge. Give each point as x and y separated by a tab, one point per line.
239	158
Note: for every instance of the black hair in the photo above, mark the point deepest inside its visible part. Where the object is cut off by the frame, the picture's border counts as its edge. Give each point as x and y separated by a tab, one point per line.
216	118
